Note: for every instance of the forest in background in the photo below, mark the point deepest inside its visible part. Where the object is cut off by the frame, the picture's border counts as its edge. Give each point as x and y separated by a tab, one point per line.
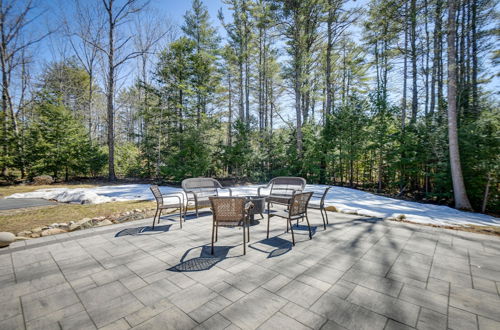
386	96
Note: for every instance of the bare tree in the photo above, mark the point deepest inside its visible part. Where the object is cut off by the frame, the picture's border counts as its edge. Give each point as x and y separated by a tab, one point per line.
86	33
459	192
15	17
117	53
150	29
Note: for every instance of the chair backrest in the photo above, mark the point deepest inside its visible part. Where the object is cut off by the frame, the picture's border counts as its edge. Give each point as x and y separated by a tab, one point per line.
287	185
201	186
157	193
322	195
229	209
299	202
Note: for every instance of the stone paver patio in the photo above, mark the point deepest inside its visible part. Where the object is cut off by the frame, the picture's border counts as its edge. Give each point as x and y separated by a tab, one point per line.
360	273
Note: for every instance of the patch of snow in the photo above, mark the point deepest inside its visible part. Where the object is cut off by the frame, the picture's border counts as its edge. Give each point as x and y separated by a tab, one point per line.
345	200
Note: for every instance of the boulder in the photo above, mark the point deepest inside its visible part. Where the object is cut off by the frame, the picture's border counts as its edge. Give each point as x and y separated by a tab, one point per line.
6	238
24	233
82	224
63	226
43	179
36	230
52	231
35	235
105	223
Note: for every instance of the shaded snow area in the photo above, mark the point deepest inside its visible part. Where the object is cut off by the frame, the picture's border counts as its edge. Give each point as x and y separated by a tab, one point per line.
345	200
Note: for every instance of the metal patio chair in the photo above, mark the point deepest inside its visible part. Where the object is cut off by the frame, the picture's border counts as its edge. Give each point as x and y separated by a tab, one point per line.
160	203
230	212
321	205
199	190
282	188
297	209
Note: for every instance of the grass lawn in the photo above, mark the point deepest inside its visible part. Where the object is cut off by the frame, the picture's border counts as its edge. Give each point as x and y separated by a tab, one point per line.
29	218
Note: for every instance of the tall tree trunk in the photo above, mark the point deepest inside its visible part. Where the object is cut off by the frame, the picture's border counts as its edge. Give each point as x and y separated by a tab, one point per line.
329	47
405	70
110	95
475	93
413	43
427	57
298	110
436	55
459	192
5	119
230	110
242	98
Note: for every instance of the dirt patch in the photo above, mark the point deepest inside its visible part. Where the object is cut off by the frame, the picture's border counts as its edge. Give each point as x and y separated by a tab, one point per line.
25	219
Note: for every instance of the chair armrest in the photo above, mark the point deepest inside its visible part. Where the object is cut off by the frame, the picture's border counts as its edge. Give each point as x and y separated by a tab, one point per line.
175	195
248	207
194	198
222	188
259	188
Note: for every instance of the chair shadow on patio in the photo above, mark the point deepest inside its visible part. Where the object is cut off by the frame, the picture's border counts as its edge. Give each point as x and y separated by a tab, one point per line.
302	229
145	230
280	245
191	215
204	262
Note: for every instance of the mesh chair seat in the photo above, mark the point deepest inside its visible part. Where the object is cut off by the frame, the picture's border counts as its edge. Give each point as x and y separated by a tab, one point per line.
286	215
279	199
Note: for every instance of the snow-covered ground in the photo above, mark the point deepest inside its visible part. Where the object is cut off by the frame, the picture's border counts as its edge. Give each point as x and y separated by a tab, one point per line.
345	200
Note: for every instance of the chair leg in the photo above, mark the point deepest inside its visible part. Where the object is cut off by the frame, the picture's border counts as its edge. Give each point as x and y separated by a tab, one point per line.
196	206
216	233
291	229
268	220
159	216
323	217
287	226
309	227
248	231
180	216
326	215
244	241
213	231
154	218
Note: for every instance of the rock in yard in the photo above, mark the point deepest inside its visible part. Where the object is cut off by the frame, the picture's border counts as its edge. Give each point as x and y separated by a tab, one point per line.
24	233
52	231
82	224
35	235
105	223
36	230
6	238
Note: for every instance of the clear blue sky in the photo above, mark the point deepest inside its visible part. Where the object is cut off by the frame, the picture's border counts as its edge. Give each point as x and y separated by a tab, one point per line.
170	9
177	8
